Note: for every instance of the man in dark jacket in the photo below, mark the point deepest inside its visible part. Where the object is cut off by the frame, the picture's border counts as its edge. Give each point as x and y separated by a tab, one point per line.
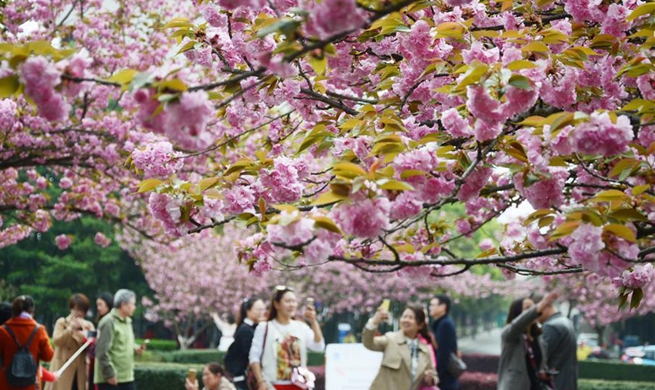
561	344
444	332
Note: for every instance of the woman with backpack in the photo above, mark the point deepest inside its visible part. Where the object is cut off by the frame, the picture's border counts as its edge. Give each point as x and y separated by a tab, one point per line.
23	343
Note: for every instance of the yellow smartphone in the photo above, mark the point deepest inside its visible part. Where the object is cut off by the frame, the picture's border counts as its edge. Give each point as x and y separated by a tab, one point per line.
386	304
191	374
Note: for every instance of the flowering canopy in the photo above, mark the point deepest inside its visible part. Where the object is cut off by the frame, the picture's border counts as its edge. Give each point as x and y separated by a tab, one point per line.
341	129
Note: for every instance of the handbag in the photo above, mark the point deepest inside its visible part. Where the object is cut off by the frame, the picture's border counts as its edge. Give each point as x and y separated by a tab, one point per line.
303	378
251	380
456	366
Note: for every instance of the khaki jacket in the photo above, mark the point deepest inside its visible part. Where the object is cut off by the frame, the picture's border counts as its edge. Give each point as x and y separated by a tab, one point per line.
67	341
396	369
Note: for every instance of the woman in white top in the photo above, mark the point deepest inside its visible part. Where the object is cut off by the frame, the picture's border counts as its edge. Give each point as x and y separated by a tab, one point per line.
281	343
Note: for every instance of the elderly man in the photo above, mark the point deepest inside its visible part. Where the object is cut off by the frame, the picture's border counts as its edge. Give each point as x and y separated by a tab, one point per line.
114	369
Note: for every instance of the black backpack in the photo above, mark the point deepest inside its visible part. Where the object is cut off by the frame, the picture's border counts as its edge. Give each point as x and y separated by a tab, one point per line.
22	369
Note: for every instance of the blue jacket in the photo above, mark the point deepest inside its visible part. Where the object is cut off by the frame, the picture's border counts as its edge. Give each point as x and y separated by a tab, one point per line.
446	337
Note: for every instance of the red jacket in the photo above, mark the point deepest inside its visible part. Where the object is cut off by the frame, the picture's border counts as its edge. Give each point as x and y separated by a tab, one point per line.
40	348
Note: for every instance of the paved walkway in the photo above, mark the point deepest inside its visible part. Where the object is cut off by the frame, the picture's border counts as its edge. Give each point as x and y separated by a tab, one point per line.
487	343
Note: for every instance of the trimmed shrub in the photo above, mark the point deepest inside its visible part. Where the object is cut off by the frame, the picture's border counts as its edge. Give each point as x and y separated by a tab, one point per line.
160	345
171	376
162	376
202	356
587	384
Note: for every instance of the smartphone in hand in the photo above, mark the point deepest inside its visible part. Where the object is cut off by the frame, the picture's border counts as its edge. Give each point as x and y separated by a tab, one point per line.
386	305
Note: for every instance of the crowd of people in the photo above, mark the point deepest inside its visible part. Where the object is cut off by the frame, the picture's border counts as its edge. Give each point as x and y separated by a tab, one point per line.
270	347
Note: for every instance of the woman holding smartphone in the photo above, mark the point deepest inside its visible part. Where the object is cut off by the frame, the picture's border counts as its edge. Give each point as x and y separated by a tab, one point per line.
278	356
407	362
251	313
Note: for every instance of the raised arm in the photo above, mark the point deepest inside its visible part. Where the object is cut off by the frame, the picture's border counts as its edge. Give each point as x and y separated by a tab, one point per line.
369	339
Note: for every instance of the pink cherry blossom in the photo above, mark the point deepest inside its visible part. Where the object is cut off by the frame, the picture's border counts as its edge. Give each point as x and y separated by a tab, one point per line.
157	159
40	78
332	17
600	136
587	246
638	277
102	240
63	241
365	218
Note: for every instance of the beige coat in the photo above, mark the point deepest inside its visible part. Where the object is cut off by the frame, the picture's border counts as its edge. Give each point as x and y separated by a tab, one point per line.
67	341
396	369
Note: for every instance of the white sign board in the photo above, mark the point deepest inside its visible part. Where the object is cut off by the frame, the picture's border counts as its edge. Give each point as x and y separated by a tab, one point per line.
350	367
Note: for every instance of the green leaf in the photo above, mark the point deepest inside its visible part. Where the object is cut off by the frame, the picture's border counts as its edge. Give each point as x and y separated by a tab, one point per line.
8	86
536	46
637	296
520	82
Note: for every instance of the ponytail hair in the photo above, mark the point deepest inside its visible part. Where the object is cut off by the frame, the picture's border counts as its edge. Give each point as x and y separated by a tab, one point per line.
23	303
244	308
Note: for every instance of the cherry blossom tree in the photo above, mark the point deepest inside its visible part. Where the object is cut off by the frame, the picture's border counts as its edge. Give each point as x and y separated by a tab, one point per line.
341	130
195	276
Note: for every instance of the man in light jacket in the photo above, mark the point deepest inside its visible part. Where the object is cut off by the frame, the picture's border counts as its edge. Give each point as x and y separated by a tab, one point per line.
114	369
560	338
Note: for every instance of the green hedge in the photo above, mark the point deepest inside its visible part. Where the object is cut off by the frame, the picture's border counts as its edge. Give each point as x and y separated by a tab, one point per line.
613	371
171	376
202	356
163	376
160	345
587	384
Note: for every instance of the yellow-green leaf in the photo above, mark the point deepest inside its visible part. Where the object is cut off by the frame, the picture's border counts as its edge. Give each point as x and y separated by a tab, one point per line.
327	198
609	195
564	230
286	207
319	64
207	183
149	185
348	169
394	185
521	64
8	86
536	46
178	23
175	84
125	76
621	231
411	173
638	190
644	9
327	224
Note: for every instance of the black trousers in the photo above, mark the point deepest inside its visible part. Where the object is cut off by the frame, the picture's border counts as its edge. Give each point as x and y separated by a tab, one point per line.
121	386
